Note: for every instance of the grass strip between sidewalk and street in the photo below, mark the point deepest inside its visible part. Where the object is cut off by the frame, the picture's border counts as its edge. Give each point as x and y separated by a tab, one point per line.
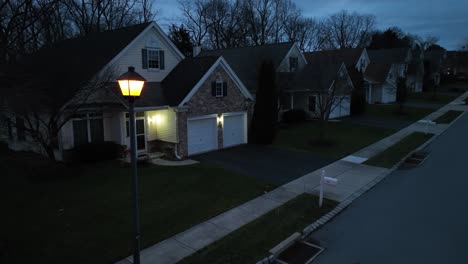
252	242
448	117
397	152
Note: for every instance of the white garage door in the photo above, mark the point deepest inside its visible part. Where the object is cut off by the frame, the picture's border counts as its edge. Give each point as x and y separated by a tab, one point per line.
234	129
341	110
202	135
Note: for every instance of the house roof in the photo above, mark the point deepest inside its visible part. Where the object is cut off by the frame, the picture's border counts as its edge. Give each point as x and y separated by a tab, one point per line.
457	58
317	75
377	72
387	56
66	66
350	57
184	77
246	60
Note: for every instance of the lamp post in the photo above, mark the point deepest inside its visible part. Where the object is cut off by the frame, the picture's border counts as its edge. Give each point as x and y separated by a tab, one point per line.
131	84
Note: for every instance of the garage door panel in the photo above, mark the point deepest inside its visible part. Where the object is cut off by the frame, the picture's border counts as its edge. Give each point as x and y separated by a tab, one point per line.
202	135
234	132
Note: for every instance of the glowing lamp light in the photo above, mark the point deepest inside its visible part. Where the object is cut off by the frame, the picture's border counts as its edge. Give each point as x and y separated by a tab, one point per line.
220	120
131	83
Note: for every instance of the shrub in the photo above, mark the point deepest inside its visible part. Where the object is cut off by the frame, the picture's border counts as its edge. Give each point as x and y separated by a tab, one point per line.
294	116
99	151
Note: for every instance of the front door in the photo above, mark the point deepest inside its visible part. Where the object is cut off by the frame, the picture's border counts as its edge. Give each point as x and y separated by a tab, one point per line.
140	132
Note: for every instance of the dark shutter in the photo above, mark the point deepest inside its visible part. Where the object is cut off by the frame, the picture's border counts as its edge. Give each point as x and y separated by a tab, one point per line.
213	88
144	59
161	59
224	88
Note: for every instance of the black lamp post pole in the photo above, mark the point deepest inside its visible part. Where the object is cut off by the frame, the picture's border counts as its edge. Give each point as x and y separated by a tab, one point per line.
135	192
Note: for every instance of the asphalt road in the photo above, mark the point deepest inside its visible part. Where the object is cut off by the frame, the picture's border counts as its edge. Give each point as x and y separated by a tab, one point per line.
412	216
270	164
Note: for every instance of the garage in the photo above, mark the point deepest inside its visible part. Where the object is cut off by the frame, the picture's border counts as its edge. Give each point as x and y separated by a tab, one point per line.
234	129
341	110
202	134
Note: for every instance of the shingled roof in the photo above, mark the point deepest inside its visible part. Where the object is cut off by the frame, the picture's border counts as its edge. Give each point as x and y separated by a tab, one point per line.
245	61
388	56
350	57
63	68
377	72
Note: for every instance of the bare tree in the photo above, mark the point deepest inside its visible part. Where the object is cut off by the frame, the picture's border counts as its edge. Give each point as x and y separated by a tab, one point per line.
259	15
306	32
348	30
42	115
194	17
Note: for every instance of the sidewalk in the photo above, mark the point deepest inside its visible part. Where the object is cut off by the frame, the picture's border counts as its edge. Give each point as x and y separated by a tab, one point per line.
352	176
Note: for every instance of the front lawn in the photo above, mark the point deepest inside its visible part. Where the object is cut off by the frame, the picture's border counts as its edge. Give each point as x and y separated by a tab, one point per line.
252	242
86	218
391	111
345	138
448	117
430	97
397	152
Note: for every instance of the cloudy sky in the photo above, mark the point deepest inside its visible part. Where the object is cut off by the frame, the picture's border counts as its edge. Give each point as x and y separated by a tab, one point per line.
446	19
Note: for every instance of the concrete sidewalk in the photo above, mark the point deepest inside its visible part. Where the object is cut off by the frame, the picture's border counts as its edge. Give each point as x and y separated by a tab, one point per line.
352	177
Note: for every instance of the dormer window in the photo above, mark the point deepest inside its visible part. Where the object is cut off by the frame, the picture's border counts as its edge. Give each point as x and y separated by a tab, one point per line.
293	63
153	58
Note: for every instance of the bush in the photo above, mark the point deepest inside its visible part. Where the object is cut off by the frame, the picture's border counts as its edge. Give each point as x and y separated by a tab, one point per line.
99	151
294	116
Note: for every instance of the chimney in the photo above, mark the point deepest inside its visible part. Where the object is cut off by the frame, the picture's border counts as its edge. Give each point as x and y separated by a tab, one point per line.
196	50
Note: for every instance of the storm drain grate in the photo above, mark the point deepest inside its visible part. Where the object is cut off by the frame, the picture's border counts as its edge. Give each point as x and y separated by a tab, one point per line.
299	253
415	159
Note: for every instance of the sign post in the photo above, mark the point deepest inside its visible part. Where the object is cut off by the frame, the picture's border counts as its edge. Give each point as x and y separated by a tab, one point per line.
328	181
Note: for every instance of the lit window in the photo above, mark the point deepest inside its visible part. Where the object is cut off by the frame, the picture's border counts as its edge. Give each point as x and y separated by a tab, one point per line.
153	59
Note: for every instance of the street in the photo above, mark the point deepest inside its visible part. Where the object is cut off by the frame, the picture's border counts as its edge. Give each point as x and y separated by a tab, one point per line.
413	216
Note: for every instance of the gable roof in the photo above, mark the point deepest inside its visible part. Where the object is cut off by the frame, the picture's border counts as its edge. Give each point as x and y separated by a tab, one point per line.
245	61
63	68
387	56
180	81
350	57
377	72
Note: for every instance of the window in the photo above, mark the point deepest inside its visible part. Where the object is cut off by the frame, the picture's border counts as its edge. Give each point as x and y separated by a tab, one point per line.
312	103
219	89
293	63
10	129
153	58
20	129
88	128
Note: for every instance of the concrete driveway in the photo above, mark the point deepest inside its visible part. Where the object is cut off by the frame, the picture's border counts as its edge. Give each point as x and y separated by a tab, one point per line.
274	165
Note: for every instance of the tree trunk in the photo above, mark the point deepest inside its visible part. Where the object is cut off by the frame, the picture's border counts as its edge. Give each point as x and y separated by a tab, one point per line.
50	152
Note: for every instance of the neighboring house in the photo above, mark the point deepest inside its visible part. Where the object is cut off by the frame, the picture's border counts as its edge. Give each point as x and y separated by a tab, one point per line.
381	75
246	61
456	64
189	105
322	87
434	61
381	82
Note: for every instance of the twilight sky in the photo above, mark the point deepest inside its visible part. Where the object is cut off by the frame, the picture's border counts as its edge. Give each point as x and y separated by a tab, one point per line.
446	19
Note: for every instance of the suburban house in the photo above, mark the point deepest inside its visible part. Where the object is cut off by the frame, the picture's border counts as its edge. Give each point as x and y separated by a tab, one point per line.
433	64
415	74
245	61
322	87
188	105
456	63
381	75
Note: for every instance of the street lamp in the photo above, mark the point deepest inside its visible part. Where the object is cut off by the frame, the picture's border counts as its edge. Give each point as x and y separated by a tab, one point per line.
131	84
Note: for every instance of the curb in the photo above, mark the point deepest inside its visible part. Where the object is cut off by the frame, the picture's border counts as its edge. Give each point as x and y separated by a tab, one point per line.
344	204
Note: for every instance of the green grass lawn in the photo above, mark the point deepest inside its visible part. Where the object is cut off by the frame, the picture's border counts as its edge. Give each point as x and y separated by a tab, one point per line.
86	218
448	117
391	111
346	138
429	97
252	242
397	152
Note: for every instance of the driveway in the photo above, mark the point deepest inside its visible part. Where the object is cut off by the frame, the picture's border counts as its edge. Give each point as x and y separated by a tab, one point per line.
413	216
273	165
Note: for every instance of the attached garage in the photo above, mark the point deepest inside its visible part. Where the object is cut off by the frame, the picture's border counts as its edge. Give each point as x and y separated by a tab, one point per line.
343	109
202	134
234	129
